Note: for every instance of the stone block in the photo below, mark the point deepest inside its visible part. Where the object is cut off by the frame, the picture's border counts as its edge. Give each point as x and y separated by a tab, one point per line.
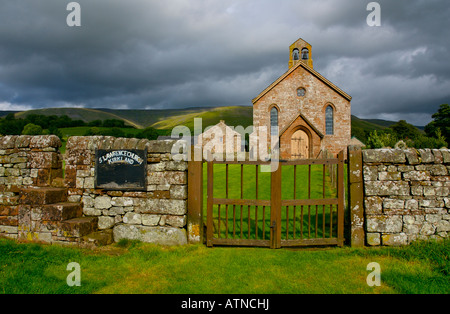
8	141
370	173
389	176
416	176
384	156
132	218
43	196
160	146
44	141
116	210
373	205
445	155
122	201
178	192
175	221
102	202
150	220
61	211
438	158
373	239
105	222
438	170
77	143
162	206
387	188
384	223
78	227
393	204
167	178
412	156
427	229
43	160
157	235
89	183
443	226
79	157
411	204
23	141
397	239
426	155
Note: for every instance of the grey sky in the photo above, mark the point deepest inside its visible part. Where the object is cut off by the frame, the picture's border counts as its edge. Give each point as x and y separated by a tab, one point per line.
192	53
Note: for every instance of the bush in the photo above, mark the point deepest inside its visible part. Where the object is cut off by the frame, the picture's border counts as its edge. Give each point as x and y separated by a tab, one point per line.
428	142
148	133
32	129
380	140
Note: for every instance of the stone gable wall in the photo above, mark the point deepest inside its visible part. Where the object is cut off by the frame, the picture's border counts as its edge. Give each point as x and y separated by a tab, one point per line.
406	195
156	215
312	106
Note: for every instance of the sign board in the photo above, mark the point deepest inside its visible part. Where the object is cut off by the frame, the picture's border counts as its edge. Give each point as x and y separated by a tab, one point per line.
121	169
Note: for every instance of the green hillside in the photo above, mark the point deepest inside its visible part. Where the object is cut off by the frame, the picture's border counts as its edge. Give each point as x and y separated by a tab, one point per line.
233	116
370	125
85	114
169	118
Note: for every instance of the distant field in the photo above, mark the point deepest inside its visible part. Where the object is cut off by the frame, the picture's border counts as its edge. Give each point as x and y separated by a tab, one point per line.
169	118
159	119
81	130
233	116
85	114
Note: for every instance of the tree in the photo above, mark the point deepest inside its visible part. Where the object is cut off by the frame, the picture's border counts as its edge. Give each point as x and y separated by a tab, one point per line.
404	130
148	133
380	140
441	121
32	129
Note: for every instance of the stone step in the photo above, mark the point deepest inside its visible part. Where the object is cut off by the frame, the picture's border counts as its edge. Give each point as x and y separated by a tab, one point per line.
99	238
78	227
61	211
42	196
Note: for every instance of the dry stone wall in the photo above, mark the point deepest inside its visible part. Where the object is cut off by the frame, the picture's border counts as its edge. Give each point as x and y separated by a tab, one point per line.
157	215
25	162
406	195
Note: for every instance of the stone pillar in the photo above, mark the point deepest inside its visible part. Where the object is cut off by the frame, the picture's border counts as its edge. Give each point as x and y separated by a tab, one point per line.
356	196
195	201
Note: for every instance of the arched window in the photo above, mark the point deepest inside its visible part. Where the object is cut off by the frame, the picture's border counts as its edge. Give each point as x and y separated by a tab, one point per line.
305	54
329	120
274	121
295	54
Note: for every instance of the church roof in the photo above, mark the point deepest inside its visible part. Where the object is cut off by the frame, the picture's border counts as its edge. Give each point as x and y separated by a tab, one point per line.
313	72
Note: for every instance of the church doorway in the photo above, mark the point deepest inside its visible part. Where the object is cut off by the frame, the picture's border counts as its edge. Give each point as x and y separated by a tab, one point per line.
300	145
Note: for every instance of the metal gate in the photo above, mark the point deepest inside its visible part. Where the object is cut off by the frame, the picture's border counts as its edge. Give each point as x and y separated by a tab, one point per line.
301	203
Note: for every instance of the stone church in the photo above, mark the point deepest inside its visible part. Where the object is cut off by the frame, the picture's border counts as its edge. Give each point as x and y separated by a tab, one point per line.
308	112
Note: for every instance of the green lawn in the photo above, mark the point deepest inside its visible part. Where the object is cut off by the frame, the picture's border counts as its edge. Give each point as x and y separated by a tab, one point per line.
249	222
131	267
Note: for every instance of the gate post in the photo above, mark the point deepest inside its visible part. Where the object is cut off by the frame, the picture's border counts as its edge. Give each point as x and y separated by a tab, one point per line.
195	201
356	197
341	198
275	207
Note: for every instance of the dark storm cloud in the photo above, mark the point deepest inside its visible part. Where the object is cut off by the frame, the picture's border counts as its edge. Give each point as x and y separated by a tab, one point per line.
179	53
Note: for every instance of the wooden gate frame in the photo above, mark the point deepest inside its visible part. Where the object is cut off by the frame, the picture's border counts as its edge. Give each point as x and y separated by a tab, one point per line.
276	204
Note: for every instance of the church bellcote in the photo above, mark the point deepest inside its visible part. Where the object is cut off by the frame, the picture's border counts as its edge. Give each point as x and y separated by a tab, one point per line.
300	51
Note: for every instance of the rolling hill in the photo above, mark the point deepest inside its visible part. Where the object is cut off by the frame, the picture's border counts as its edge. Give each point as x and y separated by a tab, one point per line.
169	118
84	114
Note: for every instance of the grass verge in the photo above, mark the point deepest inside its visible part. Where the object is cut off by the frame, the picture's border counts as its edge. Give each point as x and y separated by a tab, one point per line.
133	267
